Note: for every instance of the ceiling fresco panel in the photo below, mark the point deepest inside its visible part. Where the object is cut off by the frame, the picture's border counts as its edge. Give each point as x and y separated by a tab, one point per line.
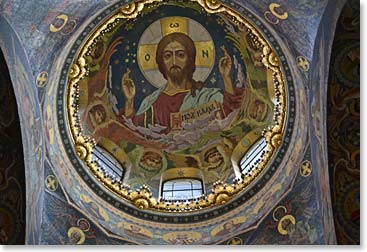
174	122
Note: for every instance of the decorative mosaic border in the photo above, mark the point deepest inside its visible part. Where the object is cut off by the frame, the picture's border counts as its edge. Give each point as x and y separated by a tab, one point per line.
141	200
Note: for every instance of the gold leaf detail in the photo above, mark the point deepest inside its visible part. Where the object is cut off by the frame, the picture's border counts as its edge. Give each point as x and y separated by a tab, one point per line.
81	151
276	140
141	203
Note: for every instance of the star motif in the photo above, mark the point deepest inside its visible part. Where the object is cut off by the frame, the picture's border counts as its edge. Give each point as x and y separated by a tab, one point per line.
213	80
220	21
181	173
129	26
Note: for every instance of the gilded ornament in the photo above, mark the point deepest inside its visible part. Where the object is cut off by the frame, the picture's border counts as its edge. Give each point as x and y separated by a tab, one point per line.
81	151
284	222
142	198
74	71
276	140
221	199
141	203
306	168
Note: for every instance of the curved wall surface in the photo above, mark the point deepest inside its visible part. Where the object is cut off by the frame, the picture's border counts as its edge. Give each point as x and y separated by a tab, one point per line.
72	200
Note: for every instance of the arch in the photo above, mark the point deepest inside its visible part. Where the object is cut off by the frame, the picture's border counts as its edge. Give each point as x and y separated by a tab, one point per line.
318	79
30	124
343	131
12	169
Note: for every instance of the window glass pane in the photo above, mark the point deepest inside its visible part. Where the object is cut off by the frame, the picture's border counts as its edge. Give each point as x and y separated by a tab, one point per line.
196	184
182	194
108	162
168	186
182	189
249	159
167	195
182	185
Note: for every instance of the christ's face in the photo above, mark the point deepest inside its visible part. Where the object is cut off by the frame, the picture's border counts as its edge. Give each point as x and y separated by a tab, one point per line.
175	60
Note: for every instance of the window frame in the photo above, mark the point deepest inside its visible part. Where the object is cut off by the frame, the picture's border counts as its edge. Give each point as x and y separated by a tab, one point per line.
186	197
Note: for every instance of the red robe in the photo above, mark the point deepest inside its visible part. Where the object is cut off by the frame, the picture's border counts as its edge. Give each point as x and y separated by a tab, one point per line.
167	104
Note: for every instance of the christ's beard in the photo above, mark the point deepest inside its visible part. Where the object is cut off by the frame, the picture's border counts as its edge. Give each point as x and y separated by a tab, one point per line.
177	74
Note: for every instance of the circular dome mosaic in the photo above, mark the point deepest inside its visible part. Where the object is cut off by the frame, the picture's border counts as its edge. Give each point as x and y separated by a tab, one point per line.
174	106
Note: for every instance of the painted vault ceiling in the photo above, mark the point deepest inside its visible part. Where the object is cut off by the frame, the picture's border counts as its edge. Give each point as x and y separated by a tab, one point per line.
184	122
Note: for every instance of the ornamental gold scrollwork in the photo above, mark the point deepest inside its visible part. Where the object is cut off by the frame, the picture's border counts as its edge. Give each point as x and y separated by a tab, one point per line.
272	59
287	218
141	203
212	6
76	236
221	199
284	221
64	18
81	151
129	9
276	140
132	10
74	71
272	14
142	198
67	26
222	193
274	6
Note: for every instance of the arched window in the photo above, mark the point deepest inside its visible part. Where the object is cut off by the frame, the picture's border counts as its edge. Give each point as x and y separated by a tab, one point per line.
108	163
180	189
252	155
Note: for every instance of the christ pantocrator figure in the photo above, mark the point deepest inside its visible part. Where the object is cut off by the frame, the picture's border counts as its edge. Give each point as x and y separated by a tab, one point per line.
175	58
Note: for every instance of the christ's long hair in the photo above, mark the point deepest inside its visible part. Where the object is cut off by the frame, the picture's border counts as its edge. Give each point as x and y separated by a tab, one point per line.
189	45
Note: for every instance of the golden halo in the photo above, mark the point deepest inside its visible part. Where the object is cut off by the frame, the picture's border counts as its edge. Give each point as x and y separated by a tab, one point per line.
148	43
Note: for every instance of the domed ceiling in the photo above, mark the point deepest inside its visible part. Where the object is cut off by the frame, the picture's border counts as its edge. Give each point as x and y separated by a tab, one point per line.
175	122
177	118
174	113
